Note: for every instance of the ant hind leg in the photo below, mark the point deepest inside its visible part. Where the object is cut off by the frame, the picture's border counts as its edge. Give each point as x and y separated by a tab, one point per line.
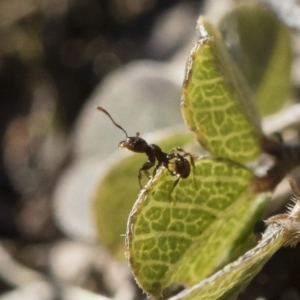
194	169
180	150
172	189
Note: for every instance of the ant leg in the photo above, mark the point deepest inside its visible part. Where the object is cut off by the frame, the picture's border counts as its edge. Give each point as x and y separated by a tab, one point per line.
140	178
145	167
155	169
180	150
194	169
166	165
147	174
172	154
172	189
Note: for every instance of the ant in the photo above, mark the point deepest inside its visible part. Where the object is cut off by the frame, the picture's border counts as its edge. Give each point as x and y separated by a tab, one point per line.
156	157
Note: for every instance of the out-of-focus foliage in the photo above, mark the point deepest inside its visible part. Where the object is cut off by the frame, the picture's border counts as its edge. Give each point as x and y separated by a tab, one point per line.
261	46
52	56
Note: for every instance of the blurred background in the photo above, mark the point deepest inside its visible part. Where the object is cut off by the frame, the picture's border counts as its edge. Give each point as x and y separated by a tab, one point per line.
54	54
59	59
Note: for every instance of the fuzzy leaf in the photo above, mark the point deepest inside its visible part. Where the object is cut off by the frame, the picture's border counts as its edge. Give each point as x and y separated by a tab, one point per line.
216	102
228	282
199	232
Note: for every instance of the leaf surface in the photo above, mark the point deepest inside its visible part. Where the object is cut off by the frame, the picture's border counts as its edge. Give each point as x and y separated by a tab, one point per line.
199	231
228	282
216	102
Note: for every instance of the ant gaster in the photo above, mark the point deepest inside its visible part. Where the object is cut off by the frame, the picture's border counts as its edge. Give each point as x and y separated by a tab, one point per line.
156	157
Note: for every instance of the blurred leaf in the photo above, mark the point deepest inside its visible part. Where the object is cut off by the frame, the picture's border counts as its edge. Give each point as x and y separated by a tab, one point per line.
216	100
276	85
261	46
201	231
118	189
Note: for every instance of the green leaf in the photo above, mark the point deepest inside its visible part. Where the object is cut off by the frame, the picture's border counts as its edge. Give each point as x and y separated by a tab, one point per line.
261	46
118	189
216	102
199	232
228	282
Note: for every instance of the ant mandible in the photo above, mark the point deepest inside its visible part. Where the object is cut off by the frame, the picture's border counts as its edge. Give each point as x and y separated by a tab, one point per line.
154	153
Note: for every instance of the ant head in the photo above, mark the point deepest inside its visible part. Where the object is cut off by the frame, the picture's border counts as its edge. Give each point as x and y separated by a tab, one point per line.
134	143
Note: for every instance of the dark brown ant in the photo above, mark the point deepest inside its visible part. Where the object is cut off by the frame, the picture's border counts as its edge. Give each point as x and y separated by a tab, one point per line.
156	157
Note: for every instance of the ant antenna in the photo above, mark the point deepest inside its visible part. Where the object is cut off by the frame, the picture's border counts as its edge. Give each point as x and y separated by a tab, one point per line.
103	110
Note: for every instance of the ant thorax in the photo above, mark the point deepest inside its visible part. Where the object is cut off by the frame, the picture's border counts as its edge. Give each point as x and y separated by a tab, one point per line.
156	152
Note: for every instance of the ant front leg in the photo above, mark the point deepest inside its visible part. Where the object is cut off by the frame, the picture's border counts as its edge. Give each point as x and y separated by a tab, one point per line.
146	166
155	169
